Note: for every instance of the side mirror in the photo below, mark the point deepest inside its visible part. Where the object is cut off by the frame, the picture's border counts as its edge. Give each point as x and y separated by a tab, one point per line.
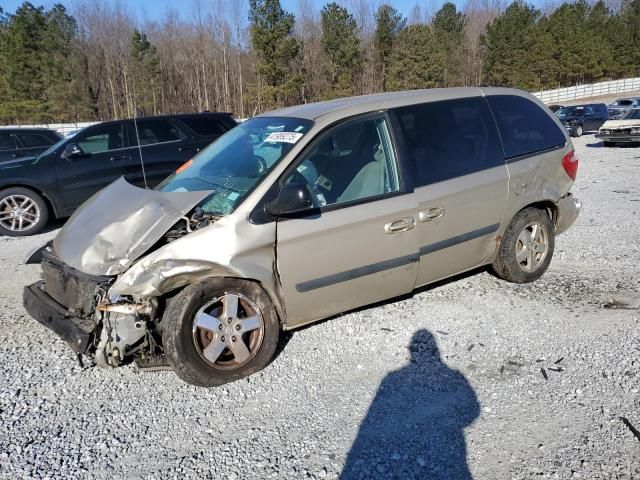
293	197
72	150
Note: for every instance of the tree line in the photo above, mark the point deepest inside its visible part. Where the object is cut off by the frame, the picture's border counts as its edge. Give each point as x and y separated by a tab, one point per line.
98	62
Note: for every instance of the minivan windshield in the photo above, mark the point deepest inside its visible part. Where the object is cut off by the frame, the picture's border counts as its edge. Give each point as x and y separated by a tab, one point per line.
235	163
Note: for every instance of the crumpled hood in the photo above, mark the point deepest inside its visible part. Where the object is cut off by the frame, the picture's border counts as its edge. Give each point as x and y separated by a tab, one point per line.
118	224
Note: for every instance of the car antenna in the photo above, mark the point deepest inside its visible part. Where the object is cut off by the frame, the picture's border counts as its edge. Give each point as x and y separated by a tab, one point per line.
135	125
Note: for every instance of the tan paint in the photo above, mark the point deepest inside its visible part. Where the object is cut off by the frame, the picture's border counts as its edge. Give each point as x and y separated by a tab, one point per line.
354	236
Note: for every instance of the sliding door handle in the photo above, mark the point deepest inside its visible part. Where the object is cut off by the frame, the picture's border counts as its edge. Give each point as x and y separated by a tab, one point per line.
431	214
403	224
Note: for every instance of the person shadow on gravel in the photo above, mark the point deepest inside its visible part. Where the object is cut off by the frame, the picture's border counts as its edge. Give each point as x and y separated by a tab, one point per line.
415	425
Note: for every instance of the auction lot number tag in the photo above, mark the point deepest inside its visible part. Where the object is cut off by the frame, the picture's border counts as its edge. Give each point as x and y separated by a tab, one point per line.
284	137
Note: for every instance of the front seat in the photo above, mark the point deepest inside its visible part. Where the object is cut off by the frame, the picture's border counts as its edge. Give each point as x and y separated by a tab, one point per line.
369	181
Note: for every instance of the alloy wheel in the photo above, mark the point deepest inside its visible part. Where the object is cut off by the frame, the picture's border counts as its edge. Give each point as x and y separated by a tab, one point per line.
228	331
18	213
532	247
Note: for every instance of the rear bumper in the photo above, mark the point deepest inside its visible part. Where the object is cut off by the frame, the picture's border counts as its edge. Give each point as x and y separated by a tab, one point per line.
77	332
568	210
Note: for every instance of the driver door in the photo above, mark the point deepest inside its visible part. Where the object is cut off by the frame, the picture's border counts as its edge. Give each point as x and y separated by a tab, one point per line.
105	157
358	245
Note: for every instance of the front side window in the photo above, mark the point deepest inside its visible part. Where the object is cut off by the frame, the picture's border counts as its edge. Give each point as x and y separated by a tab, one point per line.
351	161
101	139
235	163
525	127
449	139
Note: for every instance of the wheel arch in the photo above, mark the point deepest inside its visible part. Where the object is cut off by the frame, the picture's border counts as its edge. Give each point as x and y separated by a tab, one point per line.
275	300
53	209
547	206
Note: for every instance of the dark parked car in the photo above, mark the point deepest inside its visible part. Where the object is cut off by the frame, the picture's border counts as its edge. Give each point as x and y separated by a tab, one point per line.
57	181
554	108
582	118
622	106
25	142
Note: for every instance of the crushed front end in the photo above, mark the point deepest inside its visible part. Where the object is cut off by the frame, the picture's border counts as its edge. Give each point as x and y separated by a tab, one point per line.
75	306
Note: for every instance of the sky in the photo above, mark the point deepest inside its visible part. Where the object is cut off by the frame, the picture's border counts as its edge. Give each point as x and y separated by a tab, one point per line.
155	9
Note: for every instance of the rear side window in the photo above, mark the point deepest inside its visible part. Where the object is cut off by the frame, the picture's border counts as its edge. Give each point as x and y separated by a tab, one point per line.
449	139
207	126
30	140
524	126
154	131
6	142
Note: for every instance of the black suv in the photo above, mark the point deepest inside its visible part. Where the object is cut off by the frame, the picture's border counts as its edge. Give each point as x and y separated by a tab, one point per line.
25	142
62	177
578	119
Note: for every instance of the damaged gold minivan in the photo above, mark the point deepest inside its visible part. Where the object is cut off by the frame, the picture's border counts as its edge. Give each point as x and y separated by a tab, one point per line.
303	213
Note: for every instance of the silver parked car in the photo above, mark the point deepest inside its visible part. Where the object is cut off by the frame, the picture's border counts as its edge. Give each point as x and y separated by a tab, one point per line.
303	213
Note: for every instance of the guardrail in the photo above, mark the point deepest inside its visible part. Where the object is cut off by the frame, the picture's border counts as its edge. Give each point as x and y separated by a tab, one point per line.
589	90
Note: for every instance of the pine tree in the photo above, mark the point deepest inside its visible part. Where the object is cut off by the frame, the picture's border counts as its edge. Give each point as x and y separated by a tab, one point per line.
411	64
341	46
389	23
449	32
275	49
146	73
506	45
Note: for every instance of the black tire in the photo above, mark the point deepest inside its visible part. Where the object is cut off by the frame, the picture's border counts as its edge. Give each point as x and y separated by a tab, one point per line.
179	337
506	265
39	205
609	144
577	131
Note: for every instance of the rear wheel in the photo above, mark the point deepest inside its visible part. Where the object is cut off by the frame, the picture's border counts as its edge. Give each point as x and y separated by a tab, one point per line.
22	212
220	330
526	248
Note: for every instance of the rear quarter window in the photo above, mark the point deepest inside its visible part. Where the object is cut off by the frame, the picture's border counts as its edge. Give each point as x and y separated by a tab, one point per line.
6	142
208	126
525	128
449	139
30	140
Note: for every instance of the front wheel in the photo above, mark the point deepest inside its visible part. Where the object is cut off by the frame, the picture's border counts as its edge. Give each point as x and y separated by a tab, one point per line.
22	212
526	247
219	330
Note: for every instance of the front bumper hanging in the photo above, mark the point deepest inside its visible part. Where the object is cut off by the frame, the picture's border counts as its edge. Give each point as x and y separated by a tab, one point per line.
77	332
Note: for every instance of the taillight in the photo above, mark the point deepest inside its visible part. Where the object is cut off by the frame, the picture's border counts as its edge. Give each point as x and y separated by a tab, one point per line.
570	164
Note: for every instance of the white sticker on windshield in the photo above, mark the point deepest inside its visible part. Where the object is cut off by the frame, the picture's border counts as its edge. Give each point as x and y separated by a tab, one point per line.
284	137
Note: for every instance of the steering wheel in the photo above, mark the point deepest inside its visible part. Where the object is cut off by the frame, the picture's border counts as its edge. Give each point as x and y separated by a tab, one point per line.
260	161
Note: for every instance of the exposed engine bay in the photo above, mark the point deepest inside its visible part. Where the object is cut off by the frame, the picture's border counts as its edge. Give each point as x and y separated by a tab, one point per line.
112	331
197	220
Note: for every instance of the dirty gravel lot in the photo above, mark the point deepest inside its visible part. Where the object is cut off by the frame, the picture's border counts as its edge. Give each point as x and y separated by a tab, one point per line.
472	378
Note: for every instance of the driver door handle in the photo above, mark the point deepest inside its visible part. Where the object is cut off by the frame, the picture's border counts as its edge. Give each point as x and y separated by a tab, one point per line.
121	157
403	224
185	148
